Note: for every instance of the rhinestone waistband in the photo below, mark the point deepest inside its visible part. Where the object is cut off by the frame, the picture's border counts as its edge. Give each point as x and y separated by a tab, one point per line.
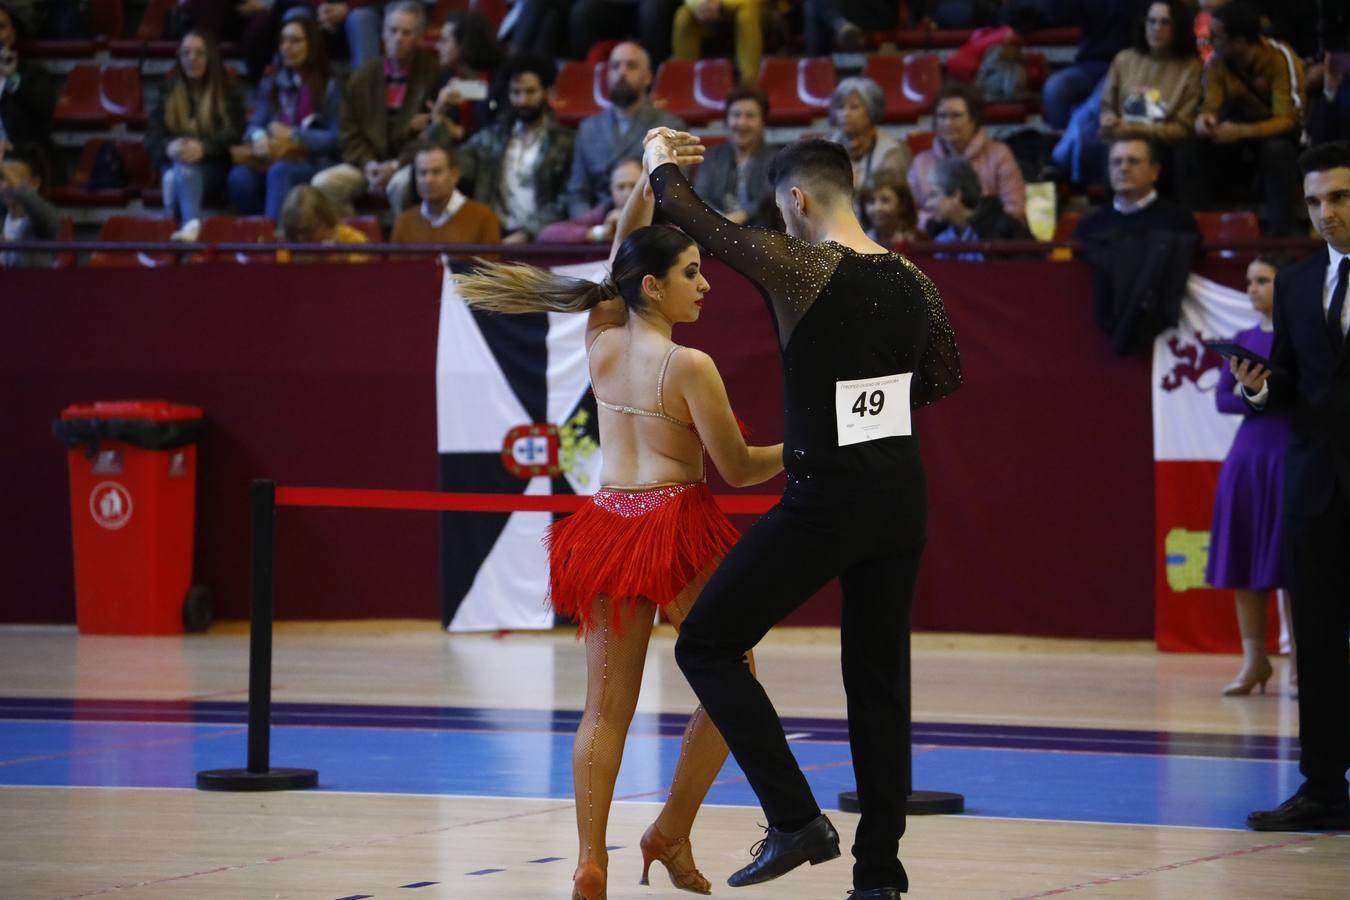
632	504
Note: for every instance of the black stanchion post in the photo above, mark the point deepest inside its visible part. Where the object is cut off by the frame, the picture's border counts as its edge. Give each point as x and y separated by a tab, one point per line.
919	803
259	776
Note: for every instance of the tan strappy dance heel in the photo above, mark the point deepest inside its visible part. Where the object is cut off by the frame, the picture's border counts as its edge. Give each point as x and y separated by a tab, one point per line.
678	858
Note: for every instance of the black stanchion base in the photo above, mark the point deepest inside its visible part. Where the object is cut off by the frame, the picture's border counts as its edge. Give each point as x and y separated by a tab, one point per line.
920	803
244	780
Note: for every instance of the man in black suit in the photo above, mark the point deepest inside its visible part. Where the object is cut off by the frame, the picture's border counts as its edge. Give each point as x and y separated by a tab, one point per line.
1312	377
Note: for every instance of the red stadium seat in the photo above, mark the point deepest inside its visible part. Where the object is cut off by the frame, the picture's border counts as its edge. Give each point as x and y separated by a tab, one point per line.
1067	222
134	228
579	91
799	89
599	52
910	83
96	96
1228	226
237	230
682	87
135	160
108	18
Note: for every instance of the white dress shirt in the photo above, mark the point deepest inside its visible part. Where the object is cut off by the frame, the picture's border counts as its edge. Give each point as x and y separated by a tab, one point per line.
436	220
1328	286
519	202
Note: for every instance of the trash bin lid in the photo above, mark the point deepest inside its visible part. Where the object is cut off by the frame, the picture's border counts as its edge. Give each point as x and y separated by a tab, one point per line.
152	410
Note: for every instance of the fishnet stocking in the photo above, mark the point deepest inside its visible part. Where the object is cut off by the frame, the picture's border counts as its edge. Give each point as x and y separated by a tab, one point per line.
614	663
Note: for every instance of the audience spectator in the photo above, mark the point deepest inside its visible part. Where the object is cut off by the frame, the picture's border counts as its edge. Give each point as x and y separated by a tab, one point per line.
1002	74
592	21
65	19
308	218
199	117
537	26
382	116
958	210
28	215
892	217
734	176
1249	122
1106	28
838	25
856	107
598	224
1246	553
27	92
519	167
351	30
445	216
1329	111
1141	248
694	18
960	132
470	57
249	22
1152	89
293	133
617	132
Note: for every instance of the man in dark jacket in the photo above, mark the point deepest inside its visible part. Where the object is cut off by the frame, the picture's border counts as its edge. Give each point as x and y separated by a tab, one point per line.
27	92
1141	247
519	166
1311	379
383	114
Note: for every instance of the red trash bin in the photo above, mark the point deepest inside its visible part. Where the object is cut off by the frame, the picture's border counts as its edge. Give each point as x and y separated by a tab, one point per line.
133	468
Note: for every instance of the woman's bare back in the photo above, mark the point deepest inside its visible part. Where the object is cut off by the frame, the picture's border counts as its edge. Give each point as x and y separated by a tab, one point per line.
641	450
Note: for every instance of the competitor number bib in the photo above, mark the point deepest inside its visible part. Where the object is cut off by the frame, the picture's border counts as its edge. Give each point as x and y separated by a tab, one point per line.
872	408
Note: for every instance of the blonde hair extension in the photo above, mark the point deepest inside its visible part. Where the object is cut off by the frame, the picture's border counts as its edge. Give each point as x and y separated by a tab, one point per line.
517	288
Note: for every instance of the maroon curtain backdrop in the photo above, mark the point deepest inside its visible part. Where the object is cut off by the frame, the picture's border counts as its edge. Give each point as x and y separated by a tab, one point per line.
1040	467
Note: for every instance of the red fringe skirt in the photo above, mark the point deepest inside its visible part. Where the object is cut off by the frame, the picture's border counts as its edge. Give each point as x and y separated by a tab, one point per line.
635	544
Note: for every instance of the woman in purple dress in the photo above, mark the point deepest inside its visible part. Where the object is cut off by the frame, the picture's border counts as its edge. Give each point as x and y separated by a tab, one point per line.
1244	547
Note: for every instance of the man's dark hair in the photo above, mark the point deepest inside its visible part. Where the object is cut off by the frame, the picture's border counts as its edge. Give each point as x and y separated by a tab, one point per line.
747	92
527	63
972	96
1183	30
822	164
954	175
1333	155
1240	21
1154	156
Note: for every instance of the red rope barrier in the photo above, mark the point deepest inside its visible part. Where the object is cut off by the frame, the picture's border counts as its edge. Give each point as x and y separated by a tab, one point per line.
440	501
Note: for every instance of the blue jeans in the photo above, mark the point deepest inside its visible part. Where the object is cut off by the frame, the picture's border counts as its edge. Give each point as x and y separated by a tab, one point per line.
1067	88
1080	151
254	193
186	184
362	28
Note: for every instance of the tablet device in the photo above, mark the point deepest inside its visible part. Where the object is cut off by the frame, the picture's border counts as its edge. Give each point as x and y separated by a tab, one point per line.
1231	350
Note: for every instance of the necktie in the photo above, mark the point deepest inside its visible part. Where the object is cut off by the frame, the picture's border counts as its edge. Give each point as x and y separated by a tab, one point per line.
1337	305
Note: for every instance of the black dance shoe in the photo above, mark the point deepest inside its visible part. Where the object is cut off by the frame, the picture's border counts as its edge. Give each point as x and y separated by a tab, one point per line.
886	893
782	851
1302	812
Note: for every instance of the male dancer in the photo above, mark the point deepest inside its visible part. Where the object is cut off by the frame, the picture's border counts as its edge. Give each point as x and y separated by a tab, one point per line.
863	338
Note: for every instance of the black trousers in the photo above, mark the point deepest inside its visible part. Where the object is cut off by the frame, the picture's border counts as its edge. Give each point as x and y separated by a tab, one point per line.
1265	170
871	536
1320	546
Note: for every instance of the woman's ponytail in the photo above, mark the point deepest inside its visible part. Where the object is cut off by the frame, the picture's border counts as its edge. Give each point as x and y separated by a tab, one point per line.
517	288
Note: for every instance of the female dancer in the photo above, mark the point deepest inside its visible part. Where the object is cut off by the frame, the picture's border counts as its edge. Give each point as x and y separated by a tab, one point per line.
1244	545
652	535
